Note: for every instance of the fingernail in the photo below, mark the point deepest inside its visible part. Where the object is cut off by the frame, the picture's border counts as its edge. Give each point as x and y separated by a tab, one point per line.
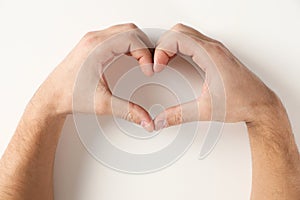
146	126
156	68
160	125
155	65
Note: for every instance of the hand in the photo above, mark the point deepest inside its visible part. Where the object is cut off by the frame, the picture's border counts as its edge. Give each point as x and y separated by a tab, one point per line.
82	70
247	98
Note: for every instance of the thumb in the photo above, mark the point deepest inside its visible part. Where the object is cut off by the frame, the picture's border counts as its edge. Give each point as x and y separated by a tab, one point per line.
195	110
131	112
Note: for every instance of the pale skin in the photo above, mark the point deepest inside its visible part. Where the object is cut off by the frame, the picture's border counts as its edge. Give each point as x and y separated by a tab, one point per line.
26	167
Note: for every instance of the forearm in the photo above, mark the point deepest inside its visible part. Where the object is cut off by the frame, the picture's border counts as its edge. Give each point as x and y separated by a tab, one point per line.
26	168
275	157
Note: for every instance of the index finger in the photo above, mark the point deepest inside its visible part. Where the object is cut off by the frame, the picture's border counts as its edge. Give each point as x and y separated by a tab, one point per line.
184	40
125	39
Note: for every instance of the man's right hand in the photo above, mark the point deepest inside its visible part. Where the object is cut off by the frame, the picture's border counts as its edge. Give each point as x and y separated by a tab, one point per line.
82	70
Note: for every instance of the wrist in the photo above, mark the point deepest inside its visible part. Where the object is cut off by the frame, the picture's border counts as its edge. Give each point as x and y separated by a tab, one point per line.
51	99
44	104
271	118
269	113
41	119
271	127
271	132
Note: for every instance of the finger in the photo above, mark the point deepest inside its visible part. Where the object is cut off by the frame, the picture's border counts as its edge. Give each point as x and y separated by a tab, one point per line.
182	40
140	50
165	50
161	59
131	41
144	57
177	115
195	110
131	112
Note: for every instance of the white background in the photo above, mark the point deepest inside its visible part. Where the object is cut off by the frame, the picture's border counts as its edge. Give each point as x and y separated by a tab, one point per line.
37	35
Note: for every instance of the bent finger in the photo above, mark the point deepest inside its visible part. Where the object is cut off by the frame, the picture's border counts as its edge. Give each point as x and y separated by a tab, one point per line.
174	42
122	39
131	112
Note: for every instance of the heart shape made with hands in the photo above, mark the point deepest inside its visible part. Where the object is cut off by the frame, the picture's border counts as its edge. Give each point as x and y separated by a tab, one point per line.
121	90
176	44
135	43
178	83
243	89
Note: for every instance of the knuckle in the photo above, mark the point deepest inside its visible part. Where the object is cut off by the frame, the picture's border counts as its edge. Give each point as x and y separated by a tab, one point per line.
130	26
178	26
104	107
128	116
90	34
177	118
123	26
90	37
218	45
